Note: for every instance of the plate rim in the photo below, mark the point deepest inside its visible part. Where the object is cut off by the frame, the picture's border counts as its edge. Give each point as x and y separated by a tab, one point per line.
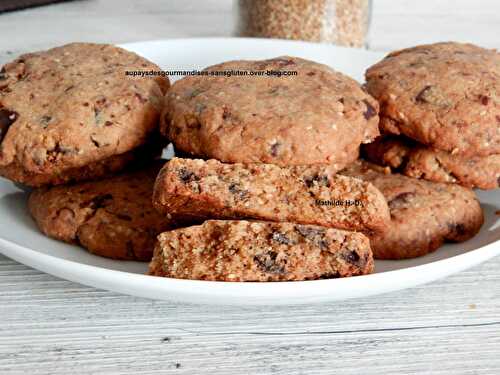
245	293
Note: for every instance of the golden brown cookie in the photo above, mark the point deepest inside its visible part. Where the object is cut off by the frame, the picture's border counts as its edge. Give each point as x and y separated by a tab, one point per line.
318	116
444	95
415	160
299	194
232	250
73	109
113	218
423	214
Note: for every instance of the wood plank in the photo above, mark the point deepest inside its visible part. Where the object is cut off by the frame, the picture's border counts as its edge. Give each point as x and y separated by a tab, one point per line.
56	326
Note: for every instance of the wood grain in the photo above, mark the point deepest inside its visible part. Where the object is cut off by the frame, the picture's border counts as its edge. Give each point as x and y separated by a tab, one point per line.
52	326
57	327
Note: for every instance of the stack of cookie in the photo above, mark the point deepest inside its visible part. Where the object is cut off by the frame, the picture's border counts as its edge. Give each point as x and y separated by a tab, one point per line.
272	206
270	186
440	113
298	125
71	114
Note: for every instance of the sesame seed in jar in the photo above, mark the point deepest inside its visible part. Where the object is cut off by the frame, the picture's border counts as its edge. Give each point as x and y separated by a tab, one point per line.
342	22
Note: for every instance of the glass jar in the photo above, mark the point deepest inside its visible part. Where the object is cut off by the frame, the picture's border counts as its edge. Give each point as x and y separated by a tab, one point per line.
342	22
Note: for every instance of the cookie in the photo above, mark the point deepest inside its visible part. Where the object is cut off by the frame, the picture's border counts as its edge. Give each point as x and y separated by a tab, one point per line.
71	112
423	214
299	194
139	156
318	116
221	250
444	95
415	160
113	218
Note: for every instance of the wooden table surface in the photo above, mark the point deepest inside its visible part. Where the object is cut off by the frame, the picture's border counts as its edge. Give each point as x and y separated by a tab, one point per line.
53	326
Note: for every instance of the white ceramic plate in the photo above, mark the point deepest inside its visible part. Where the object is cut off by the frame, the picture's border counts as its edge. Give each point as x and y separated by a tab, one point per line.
20	239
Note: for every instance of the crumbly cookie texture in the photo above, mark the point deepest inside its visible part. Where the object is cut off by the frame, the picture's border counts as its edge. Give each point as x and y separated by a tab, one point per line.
74	107
318	116
423	214
300	194
415	160
113	218
444	95
221	250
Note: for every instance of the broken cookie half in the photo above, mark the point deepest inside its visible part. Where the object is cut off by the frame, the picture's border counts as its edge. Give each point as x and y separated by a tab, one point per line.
240	250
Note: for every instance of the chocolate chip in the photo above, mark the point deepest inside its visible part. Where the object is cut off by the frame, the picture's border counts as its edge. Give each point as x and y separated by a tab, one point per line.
45	120
3	74
498	181
433	95
484	99
315	235
273	90
329	275
457	229
237	191
7	118
267	262
283	62
321	180
351	256
97	202
140	97
323	244
187	176
421	96
309	232
123	217
97	143
310	74
400	199
226	113
281	238
274	149
370	110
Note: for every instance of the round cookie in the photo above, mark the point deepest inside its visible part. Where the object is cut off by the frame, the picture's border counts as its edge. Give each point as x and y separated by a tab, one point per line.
113	218
72	113
444	95
317	116
424	214
415	160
